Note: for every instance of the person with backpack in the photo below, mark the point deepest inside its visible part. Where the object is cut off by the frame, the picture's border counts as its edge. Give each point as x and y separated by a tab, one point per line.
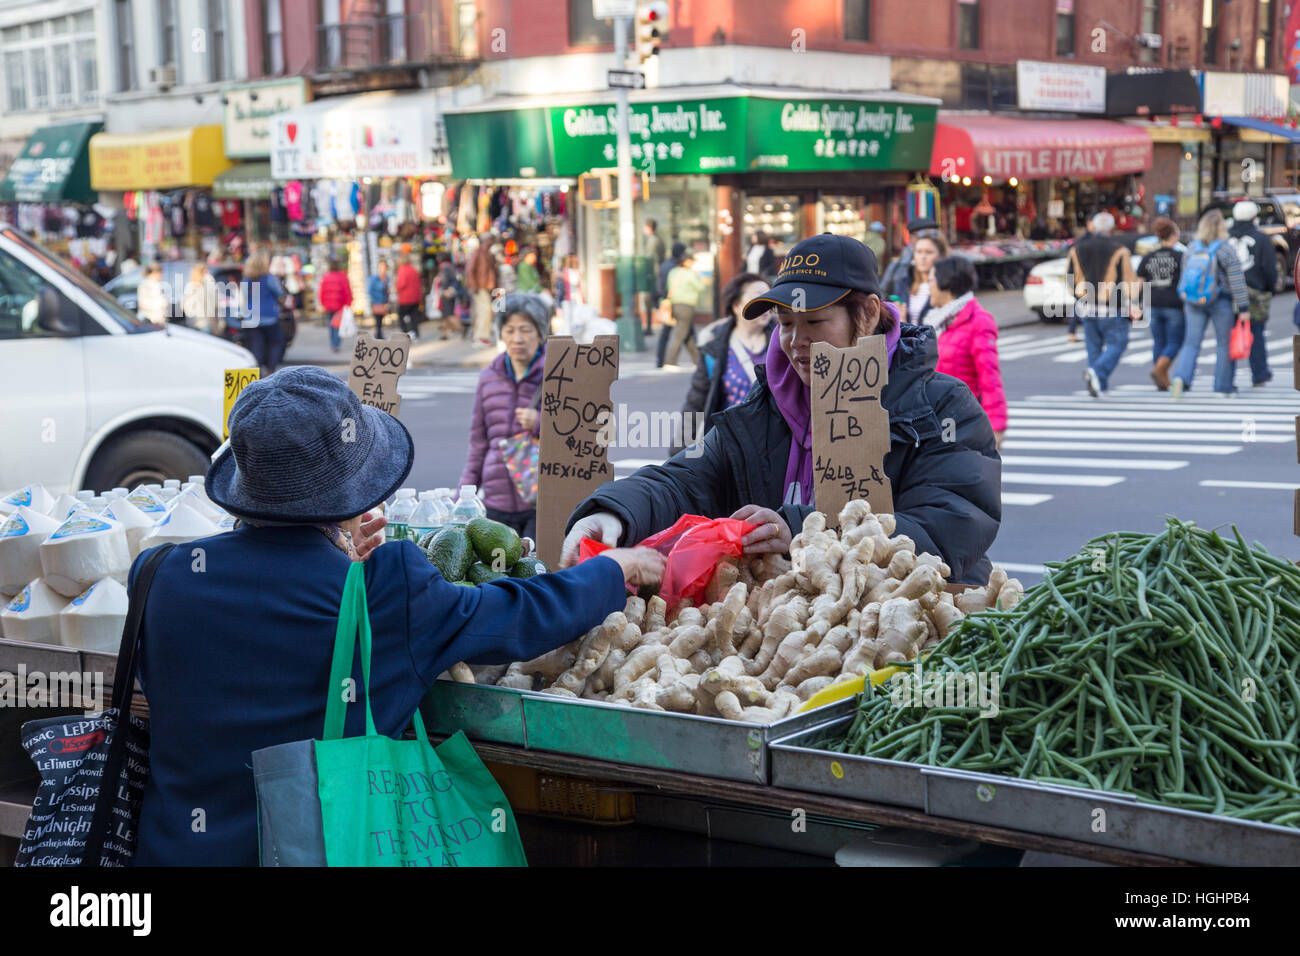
1160	270
1212	289
1259	266
1100	271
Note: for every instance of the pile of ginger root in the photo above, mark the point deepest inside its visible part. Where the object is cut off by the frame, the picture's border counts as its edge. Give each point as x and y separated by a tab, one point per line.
770	632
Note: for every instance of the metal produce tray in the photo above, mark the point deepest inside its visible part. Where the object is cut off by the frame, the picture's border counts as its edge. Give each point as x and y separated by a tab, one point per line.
1077	814
711	746
800	767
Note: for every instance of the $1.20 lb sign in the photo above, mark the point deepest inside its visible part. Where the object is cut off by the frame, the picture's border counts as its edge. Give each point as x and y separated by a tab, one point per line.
377	364
850	426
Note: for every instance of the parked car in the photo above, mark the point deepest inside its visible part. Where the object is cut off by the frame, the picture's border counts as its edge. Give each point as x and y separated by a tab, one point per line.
1279	219
94	397
1048	294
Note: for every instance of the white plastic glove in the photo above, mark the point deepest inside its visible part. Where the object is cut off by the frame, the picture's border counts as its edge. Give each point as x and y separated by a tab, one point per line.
602	526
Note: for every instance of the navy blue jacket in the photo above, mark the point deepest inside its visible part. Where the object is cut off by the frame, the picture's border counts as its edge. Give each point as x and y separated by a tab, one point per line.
237	654
947	494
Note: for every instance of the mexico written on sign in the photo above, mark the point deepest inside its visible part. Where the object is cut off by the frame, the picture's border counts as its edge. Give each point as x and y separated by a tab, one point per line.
850	426
377	364
237	380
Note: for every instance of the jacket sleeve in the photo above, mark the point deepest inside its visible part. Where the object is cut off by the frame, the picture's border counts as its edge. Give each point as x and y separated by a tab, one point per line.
508	620
984	344
1268	263
1236	284
478	440
654	497
949	495
698	394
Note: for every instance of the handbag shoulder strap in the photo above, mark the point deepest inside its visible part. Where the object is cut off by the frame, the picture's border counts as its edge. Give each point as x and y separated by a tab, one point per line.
128	653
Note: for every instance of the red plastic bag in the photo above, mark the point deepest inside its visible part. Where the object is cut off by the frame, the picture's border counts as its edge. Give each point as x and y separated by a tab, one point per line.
1240	341
693	546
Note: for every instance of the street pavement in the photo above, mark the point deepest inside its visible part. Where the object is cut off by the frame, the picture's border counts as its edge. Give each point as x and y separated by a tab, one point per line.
1074	467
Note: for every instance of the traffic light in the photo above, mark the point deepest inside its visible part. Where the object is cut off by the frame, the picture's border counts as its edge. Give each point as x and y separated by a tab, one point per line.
651	28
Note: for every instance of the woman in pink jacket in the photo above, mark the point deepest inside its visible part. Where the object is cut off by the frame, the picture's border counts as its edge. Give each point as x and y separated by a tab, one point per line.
968	337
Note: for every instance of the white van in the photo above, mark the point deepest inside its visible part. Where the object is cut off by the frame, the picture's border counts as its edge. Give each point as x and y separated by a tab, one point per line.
90	395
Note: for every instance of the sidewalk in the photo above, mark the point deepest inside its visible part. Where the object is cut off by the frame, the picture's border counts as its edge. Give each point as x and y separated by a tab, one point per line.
311	345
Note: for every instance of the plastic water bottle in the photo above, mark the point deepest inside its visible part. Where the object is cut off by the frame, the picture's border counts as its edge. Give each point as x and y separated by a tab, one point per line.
170	489
446	505
399	514
466	509
425	517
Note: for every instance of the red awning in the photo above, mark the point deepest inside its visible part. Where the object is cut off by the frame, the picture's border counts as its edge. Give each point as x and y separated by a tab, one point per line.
1005	146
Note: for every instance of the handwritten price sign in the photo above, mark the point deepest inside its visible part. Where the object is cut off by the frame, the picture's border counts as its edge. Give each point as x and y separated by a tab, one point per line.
573	459
376	366
850	426
237	380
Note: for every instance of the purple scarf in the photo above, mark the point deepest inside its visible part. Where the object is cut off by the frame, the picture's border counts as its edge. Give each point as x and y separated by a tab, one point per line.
793	399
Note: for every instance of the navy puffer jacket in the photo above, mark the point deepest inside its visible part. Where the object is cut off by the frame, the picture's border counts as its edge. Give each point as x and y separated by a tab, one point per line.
947	494
495	401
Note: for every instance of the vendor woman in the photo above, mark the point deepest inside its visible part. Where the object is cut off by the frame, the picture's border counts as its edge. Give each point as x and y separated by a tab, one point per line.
756	461
239	628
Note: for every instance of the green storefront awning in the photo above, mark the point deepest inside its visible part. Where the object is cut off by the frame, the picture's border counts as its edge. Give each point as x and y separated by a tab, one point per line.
244	181
54	166
752	132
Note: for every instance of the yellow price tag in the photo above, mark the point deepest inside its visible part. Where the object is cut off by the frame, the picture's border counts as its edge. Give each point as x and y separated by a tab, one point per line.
237	380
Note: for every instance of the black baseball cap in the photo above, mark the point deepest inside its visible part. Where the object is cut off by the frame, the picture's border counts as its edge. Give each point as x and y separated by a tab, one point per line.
817	272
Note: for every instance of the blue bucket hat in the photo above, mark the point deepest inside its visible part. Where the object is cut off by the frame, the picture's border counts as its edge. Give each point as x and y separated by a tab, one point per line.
304	450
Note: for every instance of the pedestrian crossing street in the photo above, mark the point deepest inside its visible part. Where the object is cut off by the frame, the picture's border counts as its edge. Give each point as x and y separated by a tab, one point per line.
1021	345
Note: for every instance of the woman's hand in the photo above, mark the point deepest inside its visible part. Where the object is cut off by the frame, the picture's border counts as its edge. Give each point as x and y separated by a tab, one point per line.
997	438
602	526
641	566
772	534
367	533
526	417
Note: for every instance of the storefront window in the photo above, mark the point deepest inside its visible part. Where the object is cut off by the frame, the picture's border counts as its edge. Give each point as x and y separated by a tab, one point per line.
844	216
776	217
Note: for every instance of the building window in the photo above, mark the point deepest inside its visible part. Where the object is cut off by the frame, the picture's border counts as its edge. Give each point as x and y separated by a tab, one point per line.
87	70
63	74
1264	43
1210	24
585	29
219	67
126	44
273	33
857	20
167	42
467	29
1065	28
330	52
1150	24
38	69
16	81
394	31
968	24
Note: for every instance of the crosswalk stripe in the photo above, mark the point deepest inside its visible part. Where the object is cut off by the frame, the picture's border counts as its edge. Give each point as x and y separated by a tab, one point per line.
1260	485
1119	435
1015	444
1151	422
1184	409
1014	338
1082	481
1016	498
1139	464
1126	417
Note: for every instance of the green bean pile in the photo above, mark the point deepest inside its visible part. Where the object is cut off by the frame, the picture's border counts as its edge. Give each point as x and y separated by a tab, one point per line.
1162	666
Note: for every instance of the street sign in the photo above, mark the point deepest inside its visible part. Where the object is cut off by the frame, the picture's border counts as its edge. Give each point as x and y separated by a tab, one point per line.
626	80
612	9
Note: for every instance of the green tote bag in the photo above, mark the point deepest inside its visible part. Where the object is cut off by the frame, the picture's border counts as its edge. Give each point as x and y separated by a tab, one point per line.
372	800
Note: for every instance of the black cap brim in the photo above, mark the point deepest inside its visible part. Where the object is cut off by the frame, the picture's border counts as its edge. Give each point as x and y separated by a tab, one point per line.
810	297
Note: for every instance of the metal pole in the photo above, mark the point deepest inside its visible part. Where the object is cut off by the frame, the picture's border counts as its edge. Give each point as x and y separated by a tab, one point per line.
629	325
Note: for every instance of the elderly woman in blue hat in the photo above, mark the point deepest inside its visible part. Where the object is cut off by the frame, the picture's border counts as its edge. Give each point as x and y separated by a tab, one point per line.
756	462
239	627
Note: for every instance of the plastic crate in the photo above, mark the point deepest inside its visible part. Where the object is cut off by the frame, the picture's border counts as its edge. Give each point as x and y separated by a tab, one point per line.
539	793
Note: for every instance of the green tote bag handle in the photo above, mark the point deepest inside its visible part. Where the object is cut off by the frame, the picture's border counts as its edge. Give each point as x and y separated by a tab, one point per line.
354	616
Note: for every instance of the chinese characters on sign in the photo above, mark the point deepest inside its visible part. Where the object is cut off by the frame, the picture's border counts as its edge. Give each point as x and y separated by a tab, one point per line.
850	426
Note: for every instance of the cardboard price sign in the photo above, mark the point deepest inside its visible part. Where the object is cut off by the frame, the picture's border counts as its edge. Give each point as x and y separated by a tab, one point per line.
573	459
377	364
237	380
850	427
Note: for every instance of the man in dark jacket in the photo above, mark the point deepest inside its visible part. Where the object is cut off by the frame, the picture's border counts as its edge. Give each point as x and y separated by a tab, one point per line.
943	464
1259	265
1100	271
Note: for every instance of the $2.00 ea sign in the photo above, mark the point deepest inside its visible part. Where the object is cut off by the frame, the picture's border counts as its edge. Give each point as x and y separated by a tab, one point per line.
237	380
850	426
377	364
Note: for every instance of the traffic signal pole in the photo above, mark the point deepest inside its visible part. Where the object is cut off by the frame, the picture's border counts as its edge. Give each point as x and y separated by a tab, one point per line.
629	324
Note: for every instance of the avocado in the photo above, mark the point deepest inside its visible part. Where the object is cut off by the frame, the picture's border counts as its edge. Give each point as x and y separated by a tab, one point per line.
527	568
496	545
480	573
450	552
426	538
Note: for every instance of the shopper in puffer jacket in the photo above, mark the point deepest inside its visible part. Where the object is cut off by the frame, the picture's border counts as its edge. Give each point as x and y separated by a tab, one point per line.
504	406
968	338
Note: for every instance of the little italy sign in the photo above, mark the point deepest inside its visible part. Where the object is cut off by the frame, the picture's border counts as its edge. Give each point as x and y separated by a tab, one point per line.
1063	161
